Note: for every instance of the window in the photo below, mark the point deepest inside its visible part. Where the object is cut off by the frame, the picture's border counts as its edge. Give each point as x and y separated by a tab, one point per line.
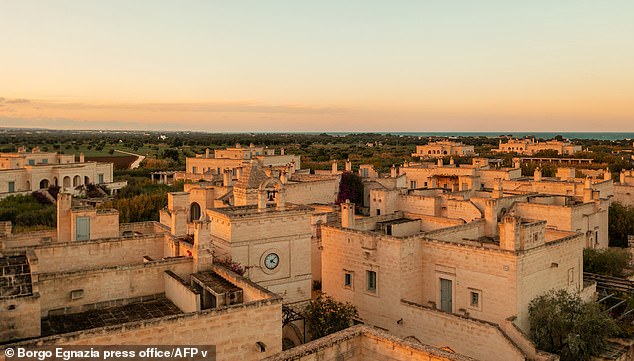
76	294
11	186
31	161
425	184
571	276
475	299
371	281
194	170
412	184
347	280
378	212
100	177
194	212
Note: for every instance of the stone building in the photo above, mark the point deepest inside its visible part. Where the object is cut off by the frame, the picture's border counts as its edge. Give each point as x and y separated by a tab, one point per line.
443	149
206	166
361	342
530	146
271	240
24	172
95	281
477	175
624	189
449	282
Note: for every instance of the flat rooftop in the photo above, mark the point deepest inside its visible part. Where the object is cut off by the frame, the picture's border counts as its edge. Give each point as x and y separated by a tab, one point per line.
155	308
215	282
247	211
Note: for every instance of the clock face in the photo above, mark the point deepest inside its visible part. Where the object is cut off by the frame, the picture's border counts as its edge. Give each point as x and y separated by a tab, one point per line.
271	261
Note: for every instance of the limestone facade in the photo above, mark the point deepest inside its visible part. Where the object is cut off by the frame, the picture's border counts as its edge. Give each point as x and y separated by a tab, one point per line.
442	149
205	166
624	189
530	146
385	264
60	288
24	172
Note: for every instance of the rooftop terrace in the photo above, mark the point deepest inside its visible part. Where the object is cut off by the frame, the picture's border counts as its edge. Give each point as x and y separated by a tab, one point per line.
154	308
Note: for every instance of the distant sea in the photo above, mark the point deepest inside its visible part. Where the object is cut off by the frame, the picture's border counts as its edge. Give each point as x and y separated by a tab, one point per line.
542	135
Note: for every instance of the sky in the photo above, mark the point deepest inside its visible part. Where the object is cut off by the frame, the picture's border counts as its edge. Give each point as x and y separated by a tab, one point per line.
276	66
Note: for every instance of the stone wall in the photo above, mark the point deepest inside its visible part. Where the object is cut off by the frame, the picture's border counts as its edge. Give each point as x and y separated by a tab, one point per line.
73	256
234	330
360	343
624	194
105	284
319	191
180	293
466	336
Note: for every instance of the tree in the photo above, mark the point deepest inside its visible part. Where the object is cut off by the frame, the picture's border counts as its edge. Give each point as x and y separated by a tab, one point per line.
609	262
324	316
561	323
620	224
350	187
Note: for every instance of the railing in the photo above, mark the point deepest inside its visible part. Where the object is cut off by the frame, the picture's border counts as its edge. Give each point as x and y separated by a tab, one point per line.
610	283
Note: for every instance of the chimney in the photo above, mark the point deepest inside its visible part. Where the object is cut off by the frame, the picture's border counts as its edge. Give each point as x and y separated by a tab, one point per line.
516	163
334	167
239	172
498	191
64	216
177	204
348	165
226	178
451	161
537	175
587	191
282	152
393	172
347	214
81	157
607	175
207	153
622	177
510	233
292	167
283	177
203	254
440	162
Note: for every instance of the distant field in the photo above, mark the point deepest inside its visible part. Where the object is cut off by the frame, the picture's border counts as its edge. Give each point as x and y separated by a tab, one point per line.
120	161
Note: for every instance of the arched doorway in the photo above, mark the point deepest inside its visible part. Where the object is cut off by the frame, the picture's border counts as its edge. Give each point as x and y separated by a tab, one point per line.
194	212
86	180
66	182
28	185
76	181
44	184
55	181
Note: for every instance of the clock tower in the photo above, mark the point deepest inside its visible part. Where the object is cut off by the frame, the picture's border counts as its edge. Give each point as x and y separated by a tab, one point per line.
271	239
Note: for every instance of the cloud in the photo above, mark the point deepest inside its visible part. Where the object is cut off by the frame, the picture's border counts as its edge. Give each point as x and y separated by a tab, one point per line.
14	101
197	107
18	101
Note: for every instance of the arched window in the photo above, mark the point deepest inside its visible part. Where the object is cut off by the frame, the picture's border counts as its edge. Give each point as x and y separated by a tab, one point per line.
76	181
194	212
66	182
44	184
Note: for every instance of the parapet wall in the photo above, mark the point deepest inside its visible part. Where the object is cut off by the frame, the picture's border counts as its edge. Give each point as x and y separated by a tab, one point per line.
60	291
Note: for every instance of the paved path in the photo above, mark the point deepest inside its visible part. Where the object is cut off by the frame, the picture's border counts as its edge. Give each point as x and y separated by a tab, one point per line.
138	160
